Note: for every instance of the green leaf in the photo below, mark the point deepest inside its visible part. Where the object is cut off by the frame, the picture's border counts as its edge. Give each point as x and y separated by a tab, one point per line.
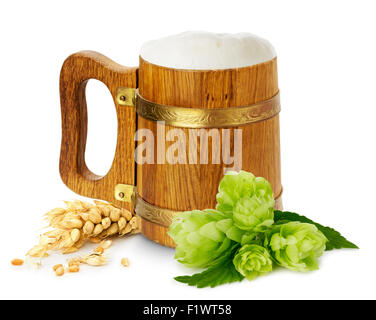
335	239
220	272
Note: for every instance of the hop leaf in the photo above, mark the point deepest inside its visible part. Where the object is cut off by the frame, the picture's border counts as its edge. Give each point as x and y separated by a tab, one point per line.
220	272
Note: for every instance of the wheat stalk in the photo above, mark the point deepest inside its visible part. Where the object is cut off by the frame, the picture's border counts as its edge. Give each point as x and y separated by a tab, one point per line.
81	221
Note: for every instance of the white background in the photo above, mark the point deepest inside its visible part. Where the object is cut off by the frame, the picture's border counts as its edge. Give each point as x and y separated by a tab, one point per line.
326	56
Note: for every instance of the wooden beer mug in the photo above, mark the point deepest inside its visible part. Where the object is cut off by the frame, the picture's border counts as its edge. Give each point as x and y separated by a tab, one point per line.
244	98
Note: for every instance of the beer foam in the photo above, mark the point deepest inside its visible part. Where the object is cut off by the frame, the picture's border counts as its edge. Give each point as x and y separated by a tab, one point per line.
208	51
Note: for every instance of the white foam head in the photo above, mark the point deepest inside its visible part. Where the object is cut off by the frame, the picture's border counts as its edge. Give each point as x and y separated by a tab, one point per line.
208	51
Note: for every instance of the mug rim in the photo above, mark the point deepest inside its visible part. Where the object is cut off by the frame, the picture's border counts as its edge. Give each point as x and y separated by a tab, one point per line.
141	59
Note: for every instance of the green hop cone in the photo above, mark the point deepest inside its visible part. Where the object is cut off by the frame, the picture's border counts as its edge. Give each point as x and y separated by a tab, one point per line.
247	199
234	233
233	187
198	239
296	246
252	261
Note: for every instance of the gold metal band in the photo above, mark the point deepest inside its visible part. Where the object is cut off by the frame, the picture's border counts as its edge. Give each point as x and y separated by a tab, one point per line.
197	117
207	118
153	213
164	217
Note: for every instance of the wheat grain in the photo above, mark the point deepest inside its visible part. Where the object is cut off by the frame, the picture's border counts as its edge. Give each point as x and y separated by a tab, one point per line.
106	244
99	250
98	229
106	222
125	262
94	240
115	215
74	262
88	227
59	271
122	223
94	259
17	262
74	268
57	266
75	235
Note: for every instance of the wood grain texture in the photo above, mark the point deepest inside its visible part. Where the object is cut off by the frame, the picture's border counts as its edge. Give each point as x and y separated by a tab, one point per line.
75	73
194	186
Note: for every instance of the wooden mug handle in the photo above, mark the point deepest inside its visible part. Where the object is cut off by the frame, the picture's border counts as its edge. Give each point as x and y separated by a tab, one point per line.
75	73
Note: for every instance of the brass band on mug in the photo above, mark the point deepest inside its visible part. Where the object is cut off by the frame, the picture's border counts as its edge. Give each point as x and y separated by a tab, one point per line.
164	216
207	118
